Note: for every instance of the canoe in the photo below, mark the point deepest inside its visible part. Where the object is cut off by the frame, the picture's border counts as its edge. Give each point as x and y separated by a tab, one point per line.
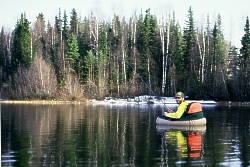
198	128
161	121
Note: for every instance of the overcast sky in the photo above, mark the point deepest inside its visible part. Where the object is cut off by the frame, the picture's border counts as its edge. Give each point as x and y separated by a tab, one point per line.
233	12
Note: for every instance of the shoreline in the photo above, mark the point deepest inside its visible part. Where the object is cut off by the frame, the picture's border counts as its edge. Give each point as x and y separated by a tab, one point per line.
89	101
41	102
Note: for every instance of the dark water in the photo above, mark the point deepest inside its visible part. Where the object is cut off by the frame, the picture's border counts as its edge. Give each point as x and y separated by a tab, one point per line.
111	135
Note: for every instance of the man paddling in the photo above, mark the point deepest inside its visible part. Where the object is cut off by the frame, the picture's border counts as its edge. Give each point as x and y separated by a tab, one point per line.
185	111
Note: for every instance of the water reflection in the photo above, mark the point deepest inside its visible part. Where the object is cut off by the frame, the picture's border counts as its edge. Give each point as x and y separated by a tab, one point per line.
120	135
76	135
184	143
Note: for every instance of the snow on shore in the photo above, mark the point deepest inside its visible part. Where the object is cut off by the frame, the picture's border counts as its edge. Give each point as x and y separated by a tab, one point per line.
146	99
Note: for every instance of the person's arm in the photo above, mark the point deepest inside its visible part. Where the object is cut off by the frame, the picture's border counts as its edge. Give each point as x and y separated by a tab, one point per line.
176	115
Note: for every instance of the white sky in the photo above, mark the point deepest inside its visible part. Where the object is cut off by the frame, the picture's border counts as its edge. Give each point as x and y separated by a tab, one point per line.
233	12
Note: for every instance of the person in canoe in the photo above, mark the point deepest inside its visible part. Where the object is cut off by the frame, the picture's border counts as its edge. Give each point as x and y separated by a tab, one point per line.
185	111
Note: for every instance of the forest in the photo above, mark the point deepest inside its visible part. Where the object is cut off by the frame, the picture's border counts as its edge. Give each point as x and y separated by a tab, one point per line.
80	58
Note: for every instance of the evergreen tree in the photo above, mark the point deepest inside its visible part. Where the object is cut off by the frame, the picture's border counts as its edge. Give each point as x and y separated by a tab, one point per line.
21	53
90	61
58	59
218	63
176	72
115	69
155	61
207	81
244	62
140	45
5	62
167	60
132	52
214	59
245	49
146	55
102	57
74	22
233	80
73	54
65	28
147	45
39	37
49	44
139	35
84	47
191	58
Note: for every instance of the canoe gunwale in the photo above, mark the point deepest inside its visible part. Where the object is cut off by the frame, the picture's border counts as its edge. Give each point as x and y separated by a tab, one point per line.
202	121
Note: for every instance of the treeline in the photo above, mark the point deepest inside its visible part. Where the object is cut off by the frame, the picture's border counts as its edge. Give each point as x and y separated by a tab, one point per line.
92	58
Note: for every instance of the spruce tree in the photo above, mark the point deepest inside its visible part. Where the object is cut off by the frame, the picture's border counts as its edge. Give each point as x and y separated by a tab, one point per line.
176	60
39	37
191	57
21	53
244	62
218	62
245	49
73	54
4	57
74	22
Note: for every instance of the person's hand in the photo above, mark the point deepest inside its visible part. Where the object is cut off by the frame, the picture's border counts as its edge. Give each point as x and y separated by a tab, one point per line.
169	111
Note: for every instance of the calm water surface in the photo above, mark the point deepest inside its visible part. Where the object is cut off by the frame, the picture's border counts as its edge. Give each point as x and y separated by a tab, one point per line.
125	135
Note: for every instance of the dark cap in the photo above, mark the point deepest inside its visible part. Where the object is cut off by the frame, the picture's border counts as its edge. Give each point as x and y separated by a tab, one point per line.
179	95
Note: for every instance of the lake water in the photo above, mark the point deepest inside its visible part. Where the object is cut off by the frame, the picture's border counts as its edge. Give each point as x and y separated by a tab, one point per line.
120	135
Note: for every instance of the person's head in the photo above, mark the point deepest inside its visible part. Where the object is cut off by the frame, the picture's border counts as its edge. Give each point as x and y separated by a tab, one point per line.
179	97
